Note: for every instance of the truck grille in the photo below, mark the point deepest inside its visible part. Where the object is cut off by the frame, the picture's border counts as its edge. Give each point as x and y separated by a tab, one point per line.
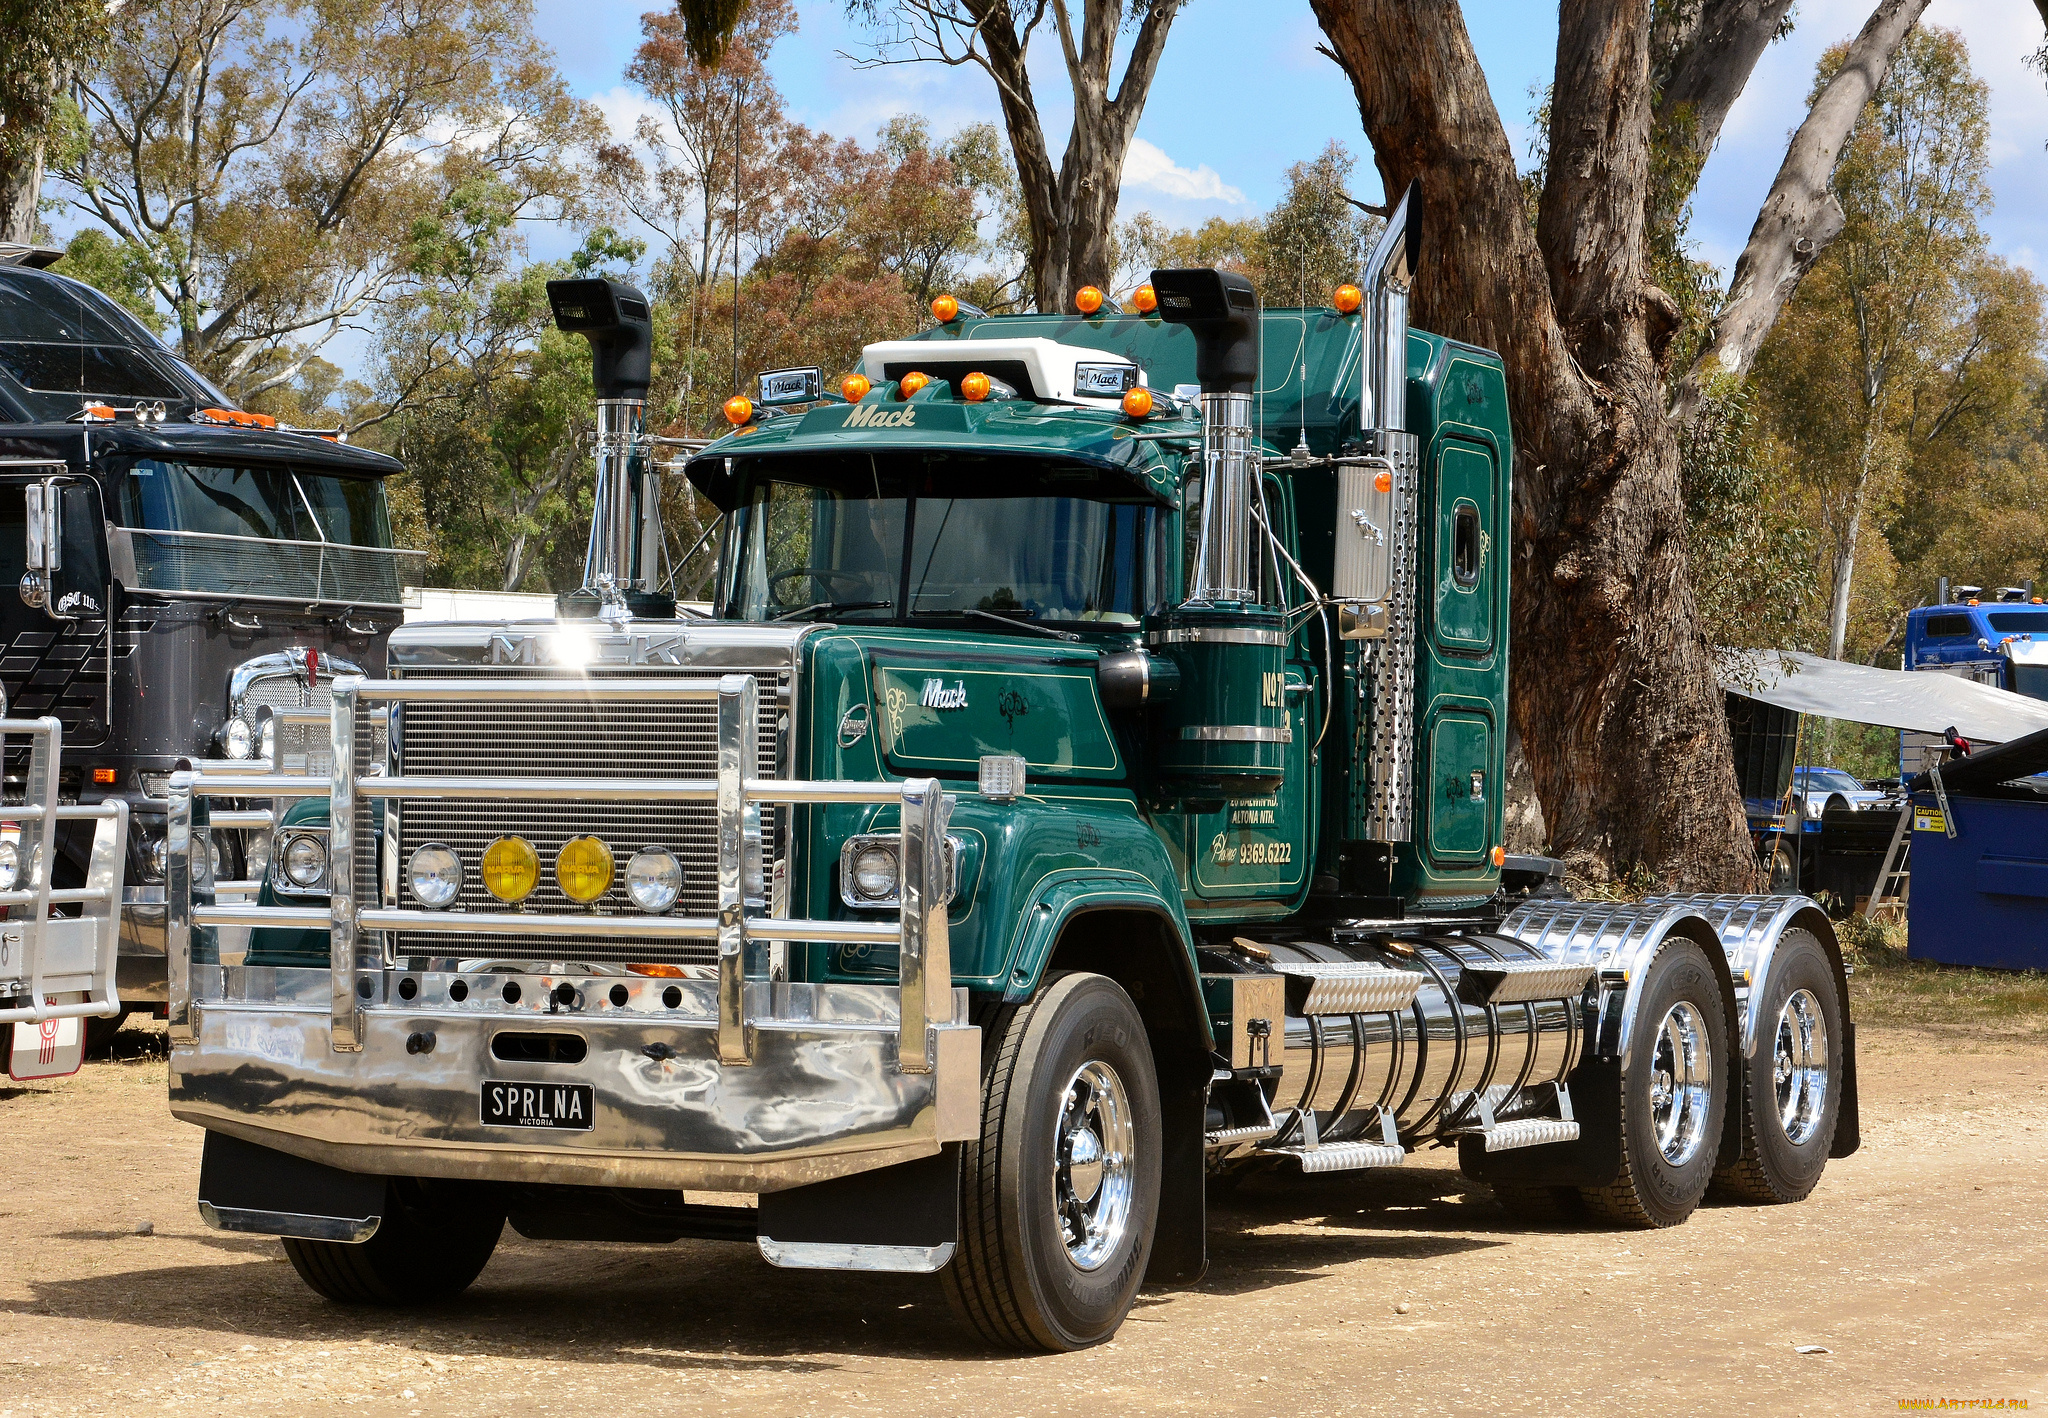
569	739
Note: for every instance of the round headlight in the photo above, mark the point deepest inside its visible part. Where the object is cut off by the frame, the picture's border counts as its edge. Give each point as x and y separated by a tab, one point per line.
159	850
874	873
511	869
654	879
583	869
433	871
305	863
10	865
235	738
267	741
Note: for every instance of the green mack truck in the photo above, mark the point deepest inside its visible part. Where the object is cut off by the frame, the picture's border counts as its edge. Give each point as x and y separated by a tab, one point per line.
1088	784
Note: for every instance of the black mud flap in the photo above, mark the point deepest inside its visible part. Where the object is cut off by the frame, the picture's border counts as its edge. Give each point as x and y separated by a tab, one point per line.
900	1218
1180	1238
1593	1160
1848	1119
244	1187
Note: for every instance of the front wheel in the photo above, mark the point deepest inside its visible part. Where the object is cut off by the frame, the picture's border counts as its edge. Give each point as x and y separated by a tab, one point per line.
1794	1094
420	1252
1059	1193
1673	1095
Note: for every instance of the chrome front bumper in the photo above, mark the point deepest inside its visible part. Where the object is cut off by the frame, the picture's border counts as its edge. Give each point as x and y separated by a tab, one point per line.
732	1083
824	1096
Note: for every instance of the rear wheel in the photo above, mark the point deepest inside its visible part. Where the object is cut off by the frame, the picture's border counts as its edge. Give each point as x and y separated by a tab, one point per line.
1673	1095
1059	1194
421	1252
1793	1096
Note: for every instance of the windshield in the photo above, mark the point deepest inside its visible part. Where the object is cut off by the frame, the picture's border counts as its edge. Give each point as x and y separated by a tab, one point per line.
943	536
2021	622
1831	778
254	531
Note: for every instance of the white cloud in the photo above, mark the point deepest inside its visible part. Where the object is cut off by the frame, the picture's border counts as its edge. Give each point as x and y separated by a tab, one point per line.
1147	165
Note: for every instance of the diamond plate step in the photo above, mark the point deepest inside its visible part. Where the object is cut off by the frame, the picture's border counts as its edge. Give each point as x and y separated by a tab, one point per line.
1521	982
1224	1137
1348	988
1340	1156
1525	1132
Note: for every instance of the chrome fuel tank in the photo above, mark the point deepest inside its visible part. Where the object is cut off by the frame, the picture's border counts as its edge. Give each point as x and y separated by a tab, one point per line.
1430	1063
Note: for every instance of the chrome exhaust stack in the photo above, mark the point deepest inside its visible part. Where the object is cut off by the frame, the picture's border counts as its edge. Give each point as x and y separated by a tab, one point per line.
1222	311
621	564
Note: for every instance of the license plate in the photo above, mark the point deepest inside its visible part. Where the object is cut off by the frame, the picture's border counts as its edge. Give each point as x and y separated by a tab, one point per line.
538	1105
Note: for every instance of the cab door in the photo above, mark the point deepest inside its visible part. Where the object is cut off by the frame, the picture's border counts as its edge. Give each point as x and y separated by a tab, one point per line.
1462	740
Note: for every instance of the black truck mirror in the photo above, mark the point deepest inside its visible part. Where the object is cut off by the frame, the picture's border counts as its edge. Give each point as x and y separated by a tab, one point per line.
66	553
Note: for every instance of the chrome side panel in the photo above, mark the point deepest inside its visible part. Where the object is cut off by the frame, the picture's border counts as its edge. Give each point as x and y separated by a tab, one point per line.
1620	939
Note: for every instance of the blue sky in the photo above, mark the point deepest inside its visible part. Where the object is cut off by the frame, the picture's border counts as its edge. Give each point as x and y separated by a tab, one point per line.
1241	94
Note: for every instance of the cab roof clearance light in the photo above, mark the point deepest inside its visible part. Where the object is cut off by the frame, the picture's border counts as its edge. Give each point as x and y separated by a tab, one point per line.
1088	300
739	409
1347	299
912	382
945	309
854	387
1144	299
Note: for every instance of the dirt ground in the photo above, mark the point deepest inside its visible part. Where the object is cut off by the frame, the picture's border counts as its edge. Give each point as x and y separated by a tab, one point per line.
1919	1269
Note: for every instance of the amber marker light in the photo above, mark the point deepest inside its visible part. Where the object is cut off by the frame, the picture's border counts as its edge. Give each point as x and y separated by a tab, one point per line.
1138	403
855	387
1382	481
1087	300
974	387
945	309
1347	299
1144	299
738	409
912	382
1500	856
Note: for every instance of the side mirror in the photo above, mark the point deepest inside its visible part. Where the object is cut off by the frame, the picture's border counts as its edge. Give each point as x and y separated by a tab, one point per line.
67	573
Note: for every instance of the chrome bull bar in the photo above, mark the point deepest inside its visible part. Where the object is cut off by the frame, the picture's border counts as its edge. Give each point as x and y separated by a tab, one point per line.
924	972
44	956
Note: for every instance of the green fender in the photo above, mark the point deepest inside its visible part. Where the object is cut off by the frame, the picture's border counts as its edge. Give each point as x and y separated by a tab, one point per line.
1062	898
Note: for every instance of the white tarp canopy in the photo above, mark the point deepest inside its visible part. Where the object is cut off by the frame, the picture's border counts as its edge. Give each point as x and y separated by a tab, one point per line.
1899	699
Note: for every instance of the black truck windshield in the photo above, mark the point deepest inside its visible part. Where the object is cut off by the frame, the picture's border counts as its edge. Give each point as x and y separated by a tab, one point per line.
879	539
253	531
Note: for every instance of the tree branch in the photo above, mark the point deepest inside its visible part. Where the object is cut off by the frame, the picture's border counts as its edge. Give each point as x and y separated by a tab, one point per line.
1800	216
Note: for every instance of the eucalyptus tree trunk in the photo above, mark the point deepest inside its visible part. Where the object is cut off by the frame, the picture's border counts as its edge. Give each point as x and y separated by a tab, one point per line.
1613	689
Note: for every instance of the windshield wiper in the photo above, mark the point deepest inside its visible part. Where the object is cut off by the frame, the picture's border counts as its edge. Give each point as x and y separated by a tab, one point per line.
834	606
1012	622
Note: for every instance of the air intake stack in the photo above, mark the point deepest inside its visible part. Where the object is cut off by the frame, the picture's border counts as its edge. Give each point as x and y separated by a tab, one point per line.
1225	736
621	566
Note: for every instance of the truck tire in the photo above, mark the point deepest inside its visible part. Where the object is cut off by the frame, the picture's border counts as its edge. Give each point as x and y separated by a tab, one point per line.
420	1253
1794	1091
1673	1095
1060	1192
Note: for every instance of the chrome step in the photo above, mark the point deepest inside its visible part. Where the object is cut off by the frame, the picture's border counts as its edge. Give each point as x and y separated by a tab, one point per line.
1521	982
1523	1132
1227	1137
1315	1155
1348	988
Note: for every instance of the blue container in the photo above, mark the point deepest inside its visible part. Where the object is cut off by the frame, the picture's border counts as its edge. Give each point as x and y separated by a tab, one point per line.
1981	897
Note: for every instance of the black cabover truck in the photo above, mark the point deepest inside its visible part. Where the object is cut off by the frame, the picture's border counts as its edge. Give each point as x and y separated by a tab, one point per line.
195	569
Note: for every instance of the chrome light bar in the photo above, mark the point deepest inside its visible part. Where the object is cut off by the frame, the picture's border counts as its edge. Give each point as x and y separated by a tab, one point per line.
925	974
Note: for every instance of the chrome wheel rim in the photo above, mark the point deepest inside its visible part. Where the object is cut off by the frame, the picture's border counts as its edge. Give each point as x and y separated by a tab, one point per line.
1681	1083
1799	1066
1092	1165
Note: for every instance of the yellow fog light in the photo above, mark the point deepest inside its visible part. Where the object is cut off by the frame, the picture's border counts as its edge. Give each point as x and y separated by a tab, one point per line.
511	869
584	869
